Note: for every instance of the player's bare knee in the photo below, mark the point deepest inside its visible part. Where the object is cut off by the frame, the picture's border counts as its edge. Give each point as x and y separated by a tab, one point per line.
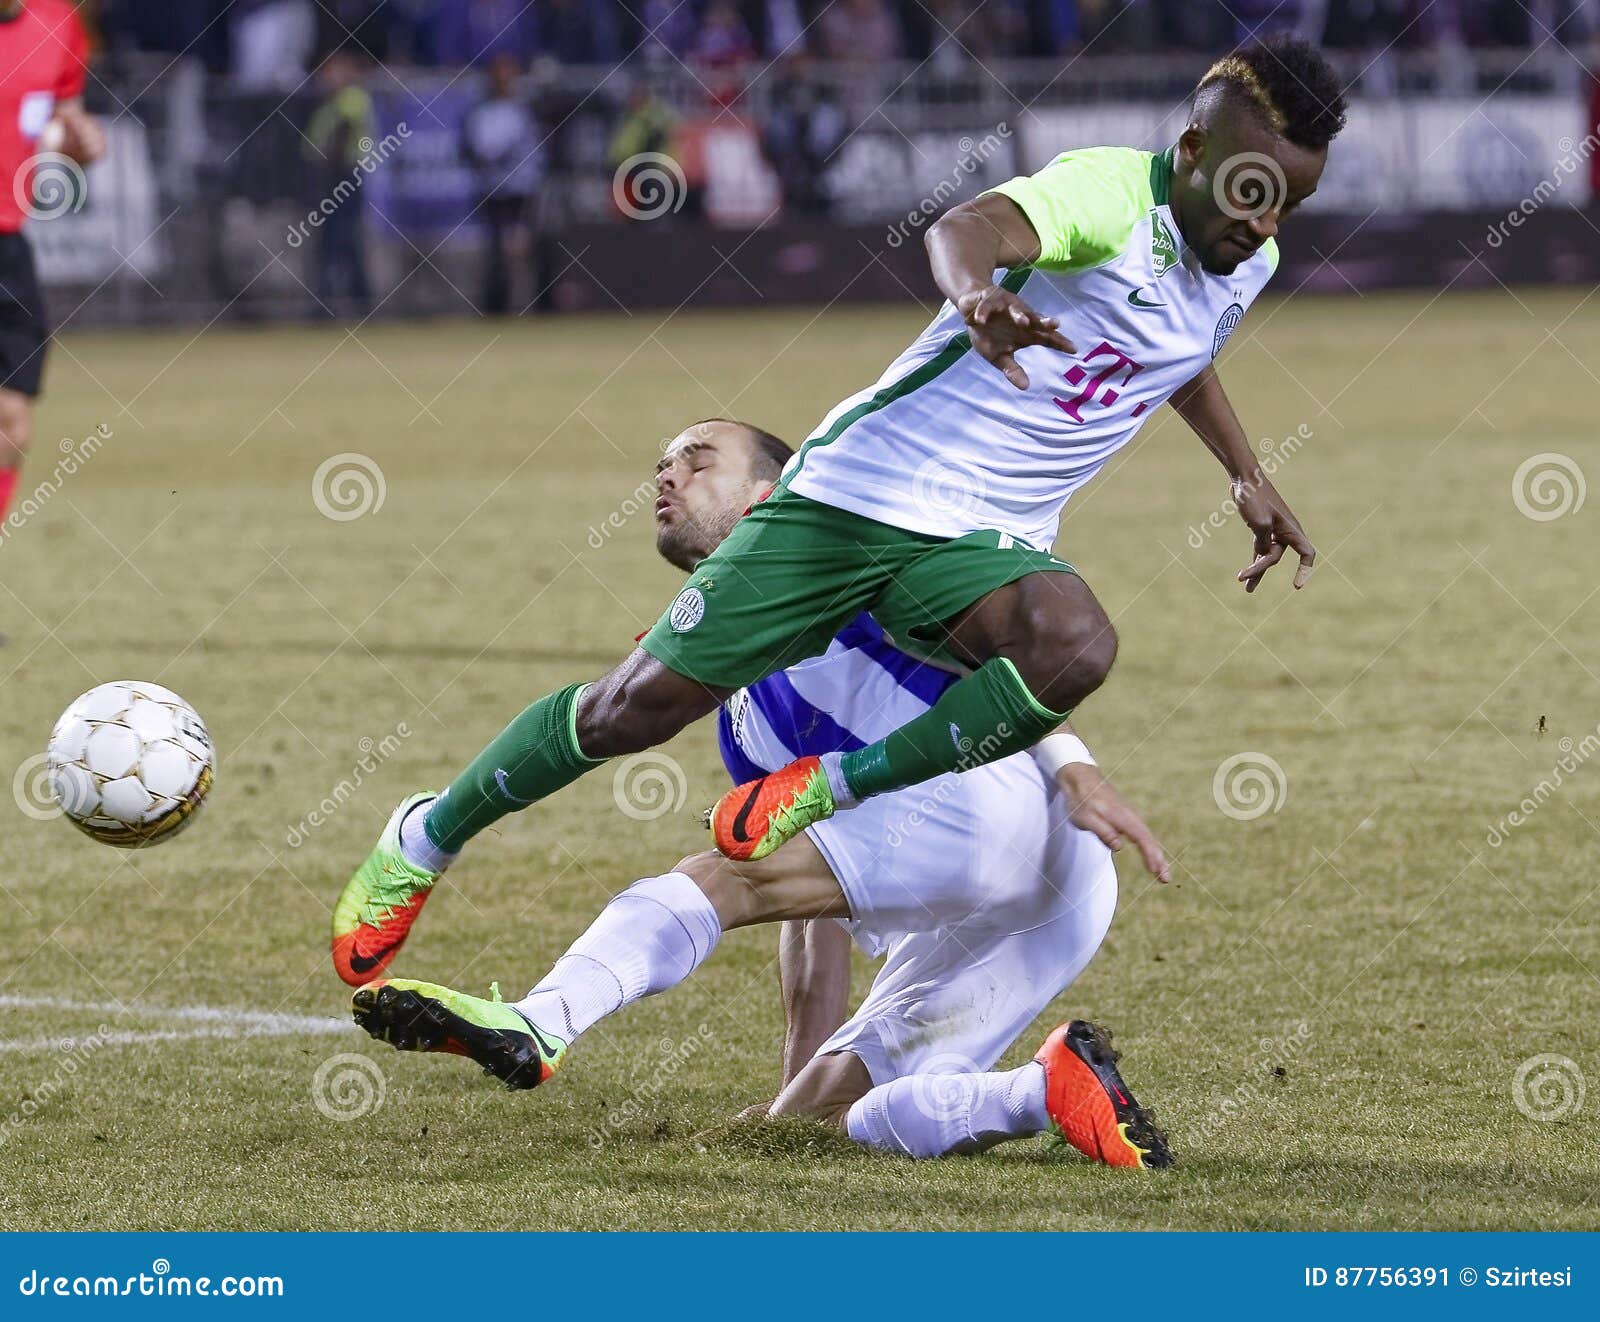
824	1090
723	883
1064	657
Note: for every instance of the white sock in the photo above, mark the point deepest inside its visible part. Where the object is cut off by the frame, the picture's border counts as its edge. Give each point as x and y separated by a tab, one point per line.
834	771
415	847
928	1115
651	937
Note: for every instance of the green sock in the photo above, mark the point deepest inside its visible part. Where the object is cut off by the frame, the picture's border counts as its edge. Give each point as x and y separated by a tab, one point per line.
529	760
987	715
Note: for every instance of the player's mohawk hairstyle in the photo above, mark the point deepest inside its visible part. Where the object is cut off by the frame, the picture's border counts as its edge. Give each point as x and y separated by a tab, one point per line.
1291	83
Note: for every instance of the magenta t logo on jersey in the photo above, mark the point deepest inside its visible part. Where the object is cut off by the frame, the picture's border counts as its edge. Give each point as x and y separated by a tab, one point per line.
1106	383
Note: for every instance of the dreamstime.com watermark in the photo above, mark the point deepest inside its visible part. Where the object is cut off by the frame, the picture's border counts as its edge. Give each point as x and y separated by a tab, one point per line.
1249	785
1573	156
74	1054
672	1058
347	486
973	155
1268	1069
373	755
74	455
1548	486
974	753
1574	753
158	1283
49	186
373	154
348	1086
1274	455
1548	1088
649	785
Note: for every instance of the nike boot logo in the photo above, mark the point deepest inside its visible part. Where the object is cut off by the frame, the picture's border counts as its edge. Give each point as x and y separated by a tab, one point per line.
743	816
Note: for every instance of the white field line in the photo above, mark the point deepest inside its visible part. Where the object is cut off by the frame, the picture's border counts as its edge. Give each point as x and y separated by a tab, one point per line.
209	1021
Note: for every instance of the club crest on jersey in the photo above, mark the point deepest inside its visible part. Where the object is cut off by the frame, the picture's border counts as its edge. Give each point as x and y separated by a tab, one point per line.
1163	247
687	611
1225	326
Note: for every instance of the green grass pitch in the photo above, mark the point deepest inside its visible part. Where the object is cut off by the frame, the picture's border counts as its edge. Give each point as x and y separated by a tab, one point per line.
1328	1009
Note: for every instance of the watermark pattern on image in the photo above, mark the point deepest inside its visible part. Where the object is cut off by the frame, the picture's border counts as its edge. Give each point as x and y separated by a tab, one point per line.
974	753
74	455
973	156
659	1071
649	785
1574	753
348	486
373	154
1548	1087
937	1091
947	491
1268	1069
49	186
1249	185
1573	157
74	1054
33	787
374	753
1274	455
642	497
1547	487
649	185
348	1086
1249	785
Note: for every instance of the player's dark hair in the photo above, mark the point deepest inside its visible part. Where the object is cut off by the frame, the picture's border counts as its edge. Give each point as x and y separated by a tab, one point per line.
1291	83
771	452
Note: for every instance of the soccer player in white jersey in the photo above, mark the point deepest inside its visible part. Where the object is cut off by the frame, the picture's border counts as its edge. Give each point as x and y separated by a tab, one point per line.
1080	300
988	892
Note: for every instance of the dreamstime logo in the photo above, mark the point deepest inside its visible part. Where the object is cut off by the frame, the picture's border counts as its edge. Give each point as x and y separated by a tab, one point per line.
348	1086
937	1091
33	787
656	1074
74	455
374	753
1274	455
49	185
1548	1088
649	185
1249	185
973	155
649	785
1249	785
1574	753
347	486
947	492
373	154
1547	486
1573	155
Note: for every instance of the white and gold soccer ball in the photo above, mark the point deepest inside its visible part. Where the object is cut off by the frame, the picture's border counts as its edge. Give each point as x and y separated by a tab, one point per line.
130	763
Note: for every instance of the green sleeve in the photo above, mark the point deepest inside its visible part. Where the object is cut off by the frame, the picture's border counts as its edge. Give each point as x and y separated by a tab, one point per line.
1084	204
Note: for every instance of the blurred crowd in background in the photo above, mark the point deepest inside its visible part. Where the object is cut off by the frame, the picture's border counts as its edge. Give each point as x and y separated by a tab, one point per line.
266	43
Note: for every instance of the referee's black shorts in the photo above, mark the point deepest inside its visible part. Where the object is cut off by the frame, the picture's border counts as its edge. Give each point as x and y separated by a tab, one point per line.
23	328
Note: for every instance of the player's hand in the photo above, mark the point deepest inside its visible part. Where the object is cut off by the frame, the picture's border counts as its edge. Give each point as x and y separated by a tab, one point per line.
1094	805
1276	530
82	138
1000	323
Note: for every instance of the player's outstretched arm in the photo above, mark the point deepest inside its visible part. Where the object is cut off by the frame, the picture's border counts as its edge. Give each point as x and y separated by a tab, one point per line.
965	248
1203	404
1094	804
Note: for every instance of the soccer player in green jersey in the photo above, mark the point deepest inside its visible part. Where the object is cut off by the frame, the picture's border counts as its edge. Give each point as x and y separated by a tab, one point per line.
1079	299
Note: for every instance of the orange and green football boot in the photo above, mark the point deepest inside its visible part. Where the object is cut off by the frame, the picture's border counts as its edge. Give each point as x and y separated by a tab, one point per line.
753	819
419	1016
1089	1104
381	901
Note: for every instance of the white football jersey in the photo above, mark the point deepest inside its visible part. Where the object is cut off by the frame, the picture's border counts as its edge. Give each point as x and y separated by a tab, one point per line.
943	444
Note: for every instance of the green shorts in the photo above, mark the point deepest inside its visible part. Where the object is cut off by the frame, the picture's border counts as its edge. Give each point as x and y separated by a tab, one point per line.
794	571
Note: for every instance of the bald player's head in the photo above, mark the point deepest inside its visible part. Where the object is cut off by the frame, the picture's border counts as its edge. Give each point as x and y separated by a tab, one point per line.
1254	148
710	473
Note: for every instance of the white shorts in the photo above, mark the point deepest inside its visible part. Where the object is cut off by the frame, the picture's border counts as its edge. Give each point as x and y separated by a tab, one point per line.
988	903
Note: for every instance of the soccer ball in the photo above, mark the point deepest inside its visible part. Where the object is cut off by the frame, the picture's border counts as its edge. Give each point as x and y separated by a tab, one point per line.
130	763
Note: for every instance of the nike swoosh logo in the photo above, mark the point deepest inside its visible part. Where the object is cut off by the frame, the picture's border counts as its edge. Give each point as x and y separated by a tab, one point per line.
1138	302
366	963
538	1037
502	780
743	816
